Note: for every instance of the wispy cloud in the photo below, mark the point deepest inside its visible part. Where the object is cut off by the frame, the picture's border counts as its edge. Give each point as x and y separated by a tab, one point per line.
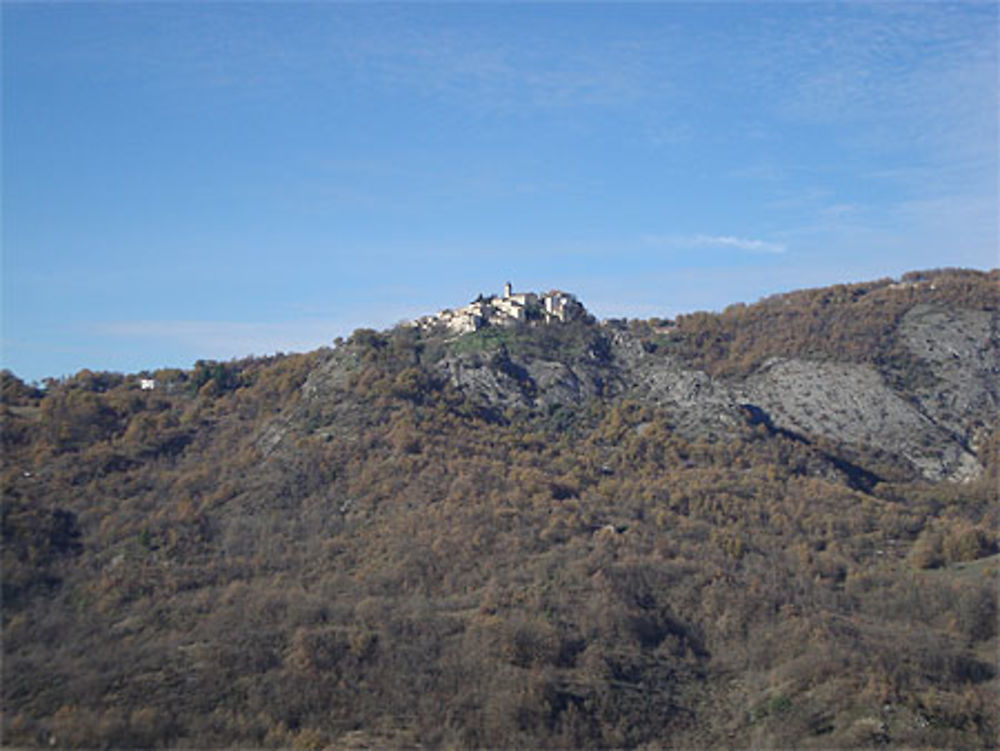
910	75
903	92
739	243
541	70
721	242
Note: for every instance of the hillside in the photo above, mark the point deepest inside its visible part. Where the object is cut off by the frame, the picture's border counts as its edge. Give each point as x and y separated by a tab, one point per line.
774	527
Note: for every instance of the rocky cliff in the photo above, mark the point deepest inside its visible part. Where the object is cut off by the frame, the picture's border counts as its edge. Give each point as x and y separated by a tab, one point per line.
925	408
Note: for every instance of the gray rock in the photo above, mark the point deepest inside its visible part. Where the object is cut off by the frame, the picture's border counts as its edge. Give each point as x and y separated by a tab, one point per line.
698	405
485	382
961	348
851	404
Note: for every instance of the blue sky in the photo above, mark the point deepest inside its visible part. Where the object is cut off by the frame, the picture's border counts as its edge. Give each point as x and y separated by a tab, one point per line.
185	181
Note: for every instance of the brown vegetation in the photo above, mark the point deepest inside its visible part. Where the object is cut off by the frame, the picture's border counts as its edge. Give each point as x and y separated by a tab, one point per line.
343	549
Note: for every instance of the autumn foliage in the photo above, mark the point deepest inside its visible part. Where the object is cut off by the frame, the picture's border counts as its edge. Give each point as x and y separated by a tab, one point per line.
342	548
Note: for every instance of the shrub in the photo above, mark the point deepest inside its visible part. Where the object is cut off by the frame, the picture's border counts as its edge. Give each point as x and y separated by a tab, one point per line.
927	550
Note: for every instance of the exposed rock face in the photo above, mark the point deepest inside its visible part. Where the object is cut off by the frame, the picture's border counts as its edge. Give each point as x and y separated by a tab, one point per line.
933	425
926	405
698	405
503	381
961	348
557	383
851	404
488	381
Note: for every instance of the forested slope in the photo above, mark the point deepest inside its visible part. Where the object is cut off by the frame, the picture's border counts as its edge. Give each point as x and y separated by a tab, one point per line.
771	527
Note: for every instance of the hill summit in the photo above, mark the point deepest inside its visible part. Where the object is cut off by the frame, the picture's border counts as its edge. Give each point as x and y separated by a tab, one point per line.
774	526
506	310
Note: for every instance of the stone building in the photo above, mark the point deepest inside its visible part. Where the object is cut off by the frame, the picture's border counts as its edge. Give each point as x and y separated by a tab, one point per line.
510	309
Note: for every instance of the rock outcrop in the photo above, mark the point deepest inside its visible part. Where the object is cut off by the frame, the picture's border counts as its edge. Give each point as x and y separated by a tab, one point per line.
932	423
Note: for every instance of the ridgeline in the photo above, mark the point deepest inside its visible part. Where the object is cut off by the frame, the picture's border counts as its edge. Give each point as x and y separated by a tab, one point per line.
775	526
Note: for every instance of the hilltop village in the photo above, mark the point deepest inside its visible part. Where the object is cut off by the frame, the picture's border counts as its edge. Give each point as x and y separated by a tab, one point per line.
511	308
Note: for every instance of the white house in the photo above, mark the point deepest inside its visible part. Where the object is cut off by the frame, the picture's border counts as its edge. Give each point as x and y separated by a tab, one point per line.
561	305
505	311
